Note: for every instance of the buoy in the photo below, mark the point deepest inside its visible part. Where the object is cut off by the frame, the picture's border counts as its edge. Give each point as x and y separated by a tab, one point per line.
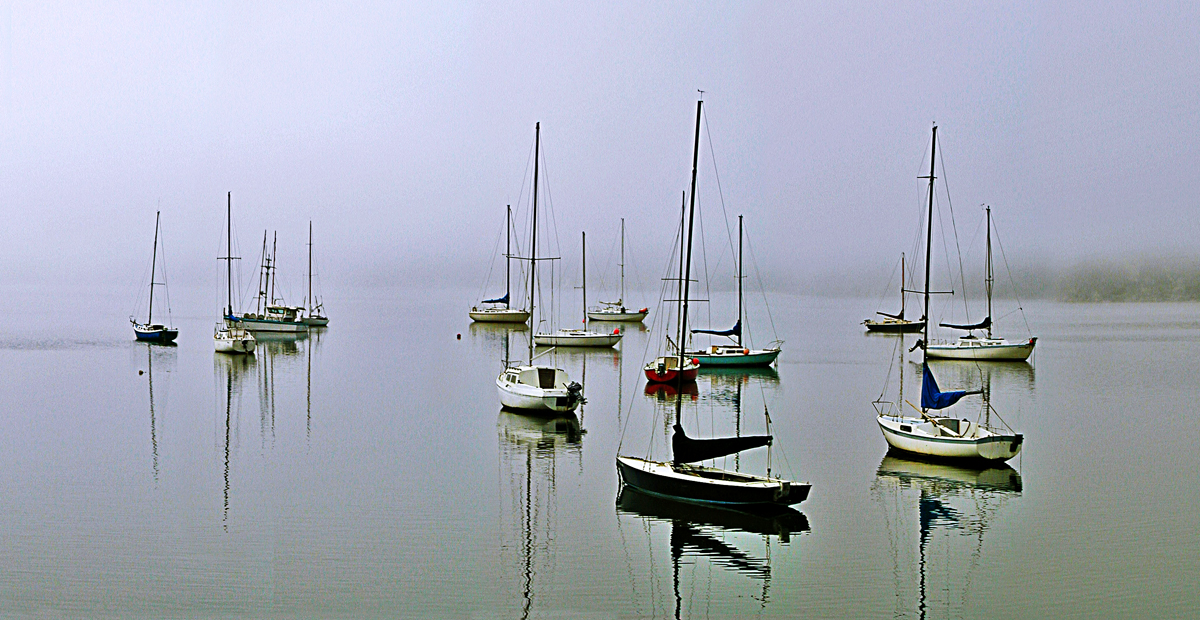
141	372
460	337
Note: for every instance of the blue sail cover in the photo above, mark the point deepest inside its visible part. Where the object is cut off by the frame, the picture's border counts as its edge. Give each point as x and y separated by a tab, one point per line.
984	324
736	330
498	300
932	397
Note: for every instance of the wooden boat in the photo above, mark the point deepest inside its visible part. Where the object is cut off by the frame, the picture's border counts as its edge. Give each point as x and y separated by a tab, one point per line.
734	355
616	310
151	331
941	436
529	386
269	316
896	323
498	310
579	337
988	348
229	336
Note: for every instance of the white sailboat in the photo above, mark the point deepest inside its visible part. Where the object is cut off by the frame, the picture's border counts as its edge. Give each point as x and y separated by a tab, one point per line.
499	310
735	354
616	310
315	313
990	347
151	331
579	337
229	337
529	386
941	436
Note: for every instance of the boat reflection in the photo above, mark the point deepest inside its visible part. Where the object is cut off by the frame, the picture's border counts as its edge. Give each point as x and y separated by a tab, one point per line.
726	384
665	393
532	449
954	508
710	532
164	357
229	372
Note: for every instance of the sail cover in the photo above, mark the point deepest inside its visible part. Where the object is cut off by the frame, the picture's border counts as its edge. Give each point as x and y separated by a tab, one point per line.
498	300
688	450
932	397
736	330
984	324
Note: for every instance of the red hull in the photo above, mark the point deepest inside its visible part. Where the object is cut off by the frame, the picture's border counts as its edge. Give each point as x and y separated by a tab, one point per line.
671	375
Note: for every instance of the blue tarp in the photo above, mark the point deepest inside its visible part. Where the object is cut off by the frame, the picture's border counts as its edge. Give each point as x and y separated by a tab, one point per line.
498	300
736	330
932	397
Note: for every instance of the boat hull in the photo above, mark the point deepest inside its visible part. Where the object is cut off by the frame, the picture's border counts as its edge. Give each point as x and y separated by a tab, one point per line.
899	434
656	374
155	333
747	359
315	321
707	485
893	326
618	317
575	338
502	315
981	350
267	325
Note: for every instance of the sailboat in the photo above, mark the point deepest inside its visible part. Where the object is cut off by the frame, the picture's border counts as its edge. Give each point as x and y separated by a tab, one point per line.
734	354
679	370
579	337
151	331
942	436
229	337
970	347
680	478
315	313
616	310
529	386
896	323
499	310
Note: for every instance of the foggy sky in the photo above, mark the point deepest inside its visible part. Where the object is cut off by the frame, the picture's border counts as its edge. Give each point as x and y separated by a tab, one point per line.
402	130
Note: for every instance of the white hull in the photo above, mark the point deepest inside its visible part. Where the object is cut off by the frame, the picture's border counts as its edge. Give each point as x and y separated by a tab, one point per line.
576	338
520	388
995	349
266	325
974	443
620	317
236	342
499	315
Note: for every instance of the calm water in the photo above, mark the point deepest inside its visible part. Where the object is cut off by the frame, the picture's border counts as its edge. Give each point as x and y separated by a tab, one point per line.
367	471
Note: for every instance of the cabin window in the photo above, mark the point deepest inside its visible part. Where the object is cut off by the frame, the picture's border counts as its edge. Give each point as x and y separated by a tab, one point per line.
906	428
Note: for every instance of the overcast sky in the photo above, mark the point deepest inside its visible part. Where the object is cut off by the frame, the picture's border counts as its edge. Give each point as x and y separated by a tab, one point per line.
402	130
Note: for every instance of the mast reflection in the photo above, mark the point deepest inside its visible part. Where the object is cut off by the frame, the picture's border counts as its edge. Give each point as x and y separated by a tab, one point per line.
229	371
953	505
531	450
165	358
708	531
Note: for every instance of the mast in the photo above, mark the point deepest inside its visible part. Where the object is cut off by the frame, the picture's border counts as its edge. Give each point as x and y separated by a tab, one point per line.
229	253
310	299
153	266
902	295
929	235
274	249
263	273
584	262
507	257
537	144
739	316
989	277
687	267
621	300
679	292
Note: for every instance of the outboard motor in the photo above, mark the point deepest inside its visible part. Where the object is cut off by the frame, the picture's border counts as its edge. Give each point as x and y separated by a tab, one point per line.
575	393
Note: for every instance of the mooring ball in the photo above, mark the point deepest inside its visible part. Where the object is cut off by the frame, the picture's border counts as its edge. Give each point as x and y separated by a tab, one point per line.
141	372
459	337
